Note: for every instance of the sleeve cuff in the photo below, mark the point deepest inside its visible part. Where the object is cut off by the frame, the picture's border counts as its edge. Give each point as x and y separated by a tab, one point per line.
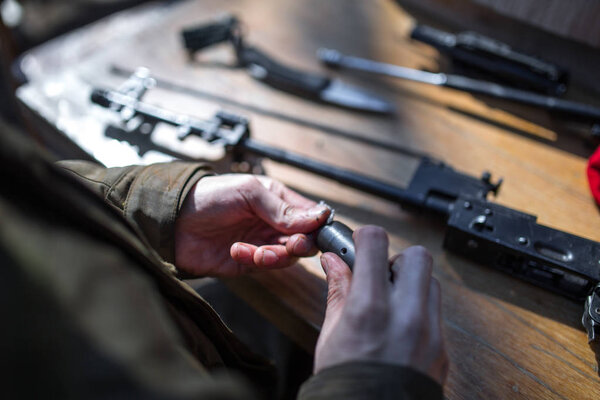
370	380
155	198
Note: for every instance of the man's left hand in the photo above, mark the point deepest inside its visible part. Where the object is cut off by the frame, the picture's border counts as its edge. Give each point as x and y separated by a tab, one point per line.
232	224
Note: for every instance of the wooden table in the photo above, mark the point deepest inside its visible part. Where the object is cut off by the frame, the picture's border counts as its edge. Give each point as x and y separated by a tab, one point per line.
506	338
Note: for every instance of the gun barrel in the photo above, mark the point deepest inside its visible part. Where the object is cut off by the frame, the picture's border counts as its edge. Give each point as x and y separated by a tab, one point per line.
341	175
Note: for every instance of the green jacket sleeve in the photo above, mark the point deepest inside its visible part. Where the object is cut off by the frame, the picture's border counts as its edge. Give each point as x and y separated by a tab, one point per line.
370	380
149	196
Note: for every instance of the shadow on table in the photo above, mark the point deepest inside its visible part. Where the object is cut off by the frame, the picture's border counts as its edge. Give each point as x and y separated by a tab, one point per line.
570	136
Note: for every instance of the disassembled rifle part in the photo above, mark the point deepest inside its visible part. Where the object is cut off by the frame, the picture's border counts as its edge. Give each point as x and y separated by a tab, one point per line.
577	111
477	228
496	59
591	316
336	237
264	68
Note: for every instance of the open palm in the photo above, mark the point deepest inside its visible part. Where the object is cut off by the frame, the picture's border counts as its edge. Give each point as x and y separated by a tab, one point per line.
231	224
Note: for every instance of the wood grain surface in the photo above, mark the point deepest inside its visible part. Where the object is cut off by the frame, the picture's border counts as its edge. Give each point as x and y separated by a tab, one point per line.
506	338
577	19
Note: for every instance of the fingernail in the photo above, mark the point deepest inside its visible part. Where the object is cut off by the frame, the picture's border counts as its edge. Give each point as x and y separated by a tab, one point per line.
269	257
318	211
301	246
242	251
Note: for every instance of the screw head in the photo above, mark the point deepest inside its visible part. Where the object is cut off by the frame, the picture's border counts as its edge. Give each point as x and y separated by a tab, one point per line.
146	128
522	240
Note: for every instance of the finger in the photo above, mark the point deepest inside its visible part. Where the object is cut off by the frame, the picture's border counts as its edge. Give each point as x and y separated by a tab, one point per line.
412	274
393	273
296	198
339	278
272	257
286	217
439	361
371	264
287	194
300	245
243	253
265	257
291	196
434	308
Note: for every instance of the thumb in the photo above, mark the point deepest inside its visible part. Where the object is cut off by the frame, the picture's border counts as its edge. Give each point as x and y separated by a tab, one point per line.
286	217
339	278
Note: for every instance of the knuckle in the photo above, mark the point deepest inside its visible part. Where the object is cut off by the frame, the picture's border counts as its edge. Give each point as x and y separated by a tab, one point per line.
373	231
250	186
287	209
418	251
254	183
419	255
275	186
286	215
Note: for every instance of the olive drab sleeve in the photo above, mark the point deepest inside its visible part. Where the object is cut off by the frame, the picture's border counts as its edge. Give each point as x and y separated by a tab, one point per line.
87	311
370	380
149	196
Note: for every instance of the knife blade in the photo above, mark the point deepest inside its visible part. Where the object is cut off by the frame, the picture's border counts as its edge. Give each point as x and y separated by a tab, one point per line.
265	69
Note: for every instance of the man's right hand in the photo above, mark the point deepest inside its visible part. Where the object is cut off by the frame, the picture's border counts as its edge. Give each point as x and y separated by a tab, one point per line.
371	317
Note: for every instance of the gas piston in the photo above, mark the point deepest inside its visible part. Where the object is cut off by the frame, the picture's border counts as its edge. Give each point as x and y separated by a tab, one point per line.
336	237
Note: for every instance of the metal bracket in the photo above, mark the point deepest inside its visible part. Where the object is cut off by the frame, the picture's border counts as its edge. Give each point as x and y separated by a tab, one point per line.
591	315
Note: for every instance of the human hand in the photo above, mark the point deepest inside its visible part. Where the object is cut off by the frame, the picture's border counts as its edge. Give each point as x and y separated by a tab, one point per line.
231	224
372	318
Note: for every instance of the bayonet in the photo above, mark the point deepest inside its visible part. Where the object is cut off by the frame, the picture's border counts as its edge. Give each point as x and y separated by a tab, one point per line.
266	69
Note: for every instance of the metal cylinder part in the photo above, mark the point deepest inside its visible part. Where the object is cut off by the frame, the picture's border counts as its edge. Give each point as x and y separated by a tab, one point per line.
336	237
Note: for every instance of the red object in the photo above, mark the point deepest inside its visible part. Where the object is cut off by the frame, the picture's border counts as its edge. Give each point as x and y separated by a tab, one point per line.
593	174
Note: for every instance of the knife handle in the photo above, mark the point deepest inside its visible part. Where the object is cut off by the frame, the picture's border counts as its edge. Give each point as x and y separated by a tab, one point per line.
199	37
269	71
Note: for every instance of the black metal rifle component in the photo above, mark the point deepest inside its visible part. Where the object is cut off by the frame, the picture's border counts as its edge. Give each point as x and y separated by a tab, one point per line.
304	122
336	237
496	59
591	316
577	111
264	68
